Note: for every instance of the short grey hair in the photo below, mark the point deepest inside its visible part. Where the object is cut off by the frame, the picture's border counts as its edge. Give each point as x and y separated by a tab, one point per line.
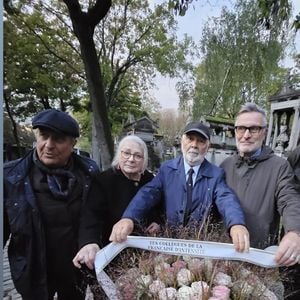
135	139
252	107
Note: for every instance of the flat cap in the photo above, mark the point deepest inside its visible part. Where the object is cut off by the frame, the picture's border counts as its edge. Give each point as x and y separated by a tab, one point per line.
57	121
197	127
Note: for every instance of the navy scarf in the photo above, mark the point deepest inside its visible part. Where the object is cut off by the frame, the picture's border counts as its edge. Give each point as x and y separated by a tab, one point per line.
61	181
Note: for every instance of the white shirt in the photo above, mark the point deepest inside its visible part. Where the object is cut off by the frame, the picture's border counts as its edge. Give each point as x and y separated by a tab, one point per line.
195	168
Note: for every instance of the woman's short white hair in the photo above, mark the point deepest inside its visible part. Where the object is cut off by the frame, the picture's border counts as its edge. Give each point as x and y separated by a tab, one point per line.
138	141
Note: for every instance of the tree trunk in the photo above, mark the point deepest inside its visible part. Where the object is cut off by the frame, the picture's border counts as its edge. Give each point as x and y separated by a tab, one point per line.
95	147
84	25
15	129
102	133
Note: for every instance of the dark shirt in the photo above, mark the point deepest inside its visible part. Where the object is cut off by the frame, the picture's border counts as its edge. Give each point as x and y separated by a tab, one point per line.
60	221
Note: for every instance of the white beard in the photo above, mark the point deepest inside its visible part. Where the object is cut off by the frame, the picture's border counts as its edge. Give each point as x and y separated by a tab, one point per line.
193	158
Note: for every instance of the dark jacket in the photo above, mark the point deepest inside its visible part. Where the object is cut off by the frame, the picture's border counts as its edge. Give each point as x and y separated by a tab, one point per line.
265	188
22	219
116	191
294	160
169	186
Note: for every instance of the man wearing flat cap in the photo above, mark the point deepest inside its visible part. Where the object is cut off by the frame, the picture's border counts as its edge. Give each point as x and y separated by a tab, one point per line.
44	193
189	186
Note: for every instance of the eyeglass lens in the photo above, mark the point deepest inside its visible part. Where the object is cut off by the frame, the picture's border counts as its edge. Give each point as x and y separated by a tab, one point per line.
136	156
252	129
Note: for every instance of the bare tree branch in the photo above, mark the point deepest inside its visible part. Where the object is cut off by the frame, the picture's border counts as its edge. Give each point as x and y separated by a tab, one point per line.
54	53
215	102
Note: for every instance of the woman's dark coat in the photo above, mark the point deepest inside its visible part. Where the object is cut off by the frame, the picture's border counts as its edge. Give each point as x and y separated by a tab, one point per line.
116	191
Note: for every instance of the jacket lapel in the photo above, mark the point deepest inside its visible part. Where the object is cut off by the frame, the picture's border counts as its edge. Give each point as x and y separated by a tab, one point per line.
178	168
204	171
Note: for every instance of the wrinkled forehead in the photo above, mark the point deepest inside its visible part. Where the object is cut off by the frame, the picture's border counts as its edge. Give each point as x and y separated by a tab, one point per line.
250	119
132	146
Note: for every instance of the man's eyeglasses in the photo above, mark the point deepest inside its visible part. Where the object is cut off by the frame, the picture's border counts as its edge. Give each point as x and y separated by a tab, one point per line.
252	129
136	156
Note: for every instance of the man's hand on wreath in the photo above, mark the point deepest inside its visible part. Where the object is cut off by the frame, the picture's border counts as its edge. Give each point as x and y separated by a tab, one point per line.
240	238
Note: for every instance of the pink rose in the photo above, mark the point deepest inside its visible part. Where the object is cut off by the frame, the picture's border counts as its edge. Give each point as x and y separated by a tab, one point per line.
222	292
168	276
179	264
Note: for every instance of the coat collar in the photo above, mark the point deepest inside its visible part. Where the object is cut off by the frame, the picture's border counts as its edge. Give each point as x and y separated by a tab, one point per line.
20	168
23	165
204	171
265	154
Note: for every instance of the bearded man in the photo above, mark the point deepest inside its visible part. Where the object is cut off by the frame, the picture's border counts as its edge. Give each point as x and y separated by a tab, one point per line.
189	186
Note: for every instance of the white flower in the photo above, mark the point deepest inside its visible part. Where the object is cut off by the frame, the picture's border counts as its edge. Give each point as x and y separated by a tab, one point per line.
268	295
133	273
222	279
199	288
185	293
167	294
184	277
258	288
161	258
196	265
187	258
244	288
263	292
250	277
144	280
156	286
244	273
160	268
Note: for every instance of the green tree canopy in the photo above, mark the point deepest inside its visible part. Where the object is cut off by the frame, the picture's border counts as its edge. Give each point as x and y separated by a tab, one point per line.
240	62
270	11
135	42
113	61
40	71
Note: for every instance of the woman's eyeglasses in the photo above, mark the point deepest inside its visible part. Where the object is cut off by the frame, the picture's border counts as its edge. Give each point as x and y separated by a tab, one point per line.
136	156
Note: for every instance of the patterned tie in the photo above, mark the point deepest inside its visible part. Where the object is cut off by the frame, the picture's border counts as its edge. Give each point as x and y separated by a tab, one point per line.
189	193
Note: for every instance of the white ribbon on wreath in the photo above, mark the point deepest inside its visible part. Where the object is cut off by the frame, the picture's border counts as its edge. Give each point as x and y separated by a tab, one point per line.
213	250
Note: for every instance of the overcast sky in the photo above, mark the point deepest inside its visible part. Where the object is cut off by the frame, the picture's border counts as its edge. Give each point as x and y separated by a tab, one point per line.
192	24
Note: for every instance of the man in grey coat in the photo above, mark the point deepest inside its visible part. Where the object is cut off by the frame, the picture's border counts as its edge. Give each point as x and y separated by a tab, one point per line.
264	184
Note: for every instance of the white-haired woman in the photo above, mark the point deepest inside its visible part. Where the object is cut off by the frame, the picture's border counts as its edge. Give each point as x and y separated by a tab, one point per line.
118	184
